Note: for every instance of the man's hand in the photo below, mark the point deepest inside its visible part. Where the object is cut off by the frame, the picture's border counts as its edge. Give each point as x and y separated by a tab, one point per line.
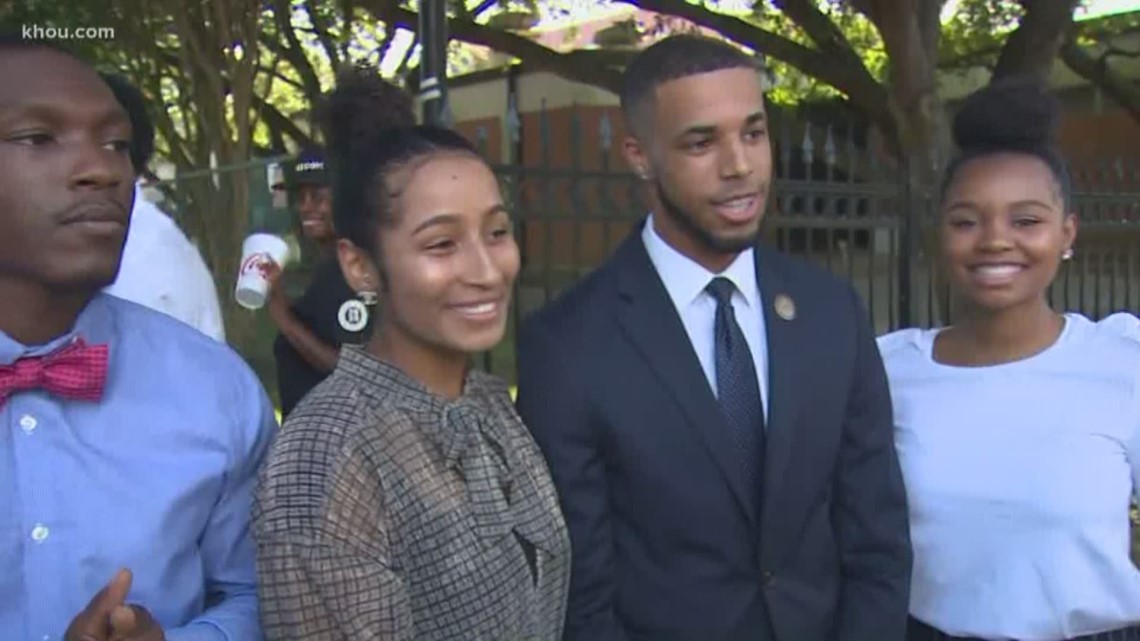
108	618
134	623
277	301
94	622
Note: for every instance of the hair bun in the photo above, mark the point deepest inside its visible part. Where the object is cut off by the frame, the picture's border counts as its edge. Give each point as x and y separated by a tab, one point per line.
1011	113
360	109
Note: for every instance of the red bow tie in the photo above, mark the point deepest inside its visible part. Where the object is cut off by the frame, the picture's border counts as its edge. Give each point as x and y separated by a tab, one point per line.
76	372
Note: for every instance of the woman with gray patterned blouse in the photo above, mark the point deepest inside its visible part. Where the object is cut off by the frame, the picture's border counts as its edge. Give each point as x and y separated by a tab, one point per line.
404	498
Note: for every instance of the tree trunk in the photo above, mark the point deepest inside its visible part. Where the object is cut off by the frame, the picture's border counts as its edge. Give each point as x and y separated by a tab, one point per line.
1033	46
220	86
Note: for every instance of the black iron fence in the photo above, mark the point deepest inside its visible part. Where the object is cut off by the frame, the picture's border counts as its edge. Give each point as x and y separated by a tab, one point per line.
833	203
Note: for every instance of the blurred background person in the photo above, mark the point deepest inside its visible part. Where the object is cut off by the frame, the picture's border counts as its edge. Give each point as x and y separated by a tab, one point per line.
309	330
161	268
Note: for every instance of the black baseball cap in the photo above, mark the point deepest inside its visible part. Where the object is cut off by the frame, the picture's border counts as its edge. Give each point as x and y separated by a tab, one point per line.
308	169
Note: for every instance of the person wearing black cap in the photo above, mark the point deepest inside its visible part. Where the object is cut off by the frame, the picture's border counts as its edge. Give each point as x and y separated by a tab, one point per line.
310	335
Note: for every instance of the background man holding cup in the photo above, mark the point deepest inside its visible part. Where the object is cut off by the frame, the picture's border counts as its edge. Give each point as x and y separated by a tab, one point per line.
312	328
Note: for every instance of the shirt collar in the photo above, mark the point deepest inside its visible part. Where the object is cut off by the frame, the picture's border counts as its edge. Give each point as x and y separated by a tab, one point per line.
685	279
95	325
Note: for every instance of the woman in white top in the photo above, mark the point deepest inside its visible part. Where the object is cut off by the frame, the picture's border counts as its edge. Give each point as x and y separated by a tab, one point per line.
1018	428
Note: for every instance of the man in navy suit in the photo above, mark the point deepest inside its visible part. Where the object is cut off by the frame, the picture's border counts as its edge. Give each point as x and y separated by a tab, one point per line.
716	415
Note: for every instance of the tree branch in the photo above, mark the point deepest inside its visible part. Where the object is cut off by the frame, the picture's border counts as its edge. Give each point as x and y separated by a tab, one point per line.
243	73
812	61
386	44
308	82
292	50
1100	31
1120	52
832	42
268	79
1035	43
324	35
506	42
1118	87
278	76
201	68
403	69
280	123
482	8
914	101
821	29
930	26
222	23
849	77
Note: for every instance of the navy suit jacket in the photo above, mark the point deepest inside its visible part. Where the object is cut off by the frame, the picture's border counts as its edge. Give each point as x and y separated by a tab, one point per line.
665	546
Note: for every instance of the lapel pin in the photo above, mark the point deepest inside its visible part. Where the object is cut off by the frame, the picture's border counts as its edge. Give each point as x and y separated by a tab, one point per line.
785	308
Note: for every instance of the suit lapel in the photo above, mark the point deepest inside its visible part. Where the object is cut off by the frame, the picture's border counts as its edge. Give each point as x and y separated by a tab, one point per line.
785	341
651	323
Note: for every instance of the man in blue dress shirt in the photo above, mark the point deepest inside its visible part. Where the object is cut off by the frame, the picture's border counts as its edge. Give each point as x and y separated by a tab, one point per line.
129	442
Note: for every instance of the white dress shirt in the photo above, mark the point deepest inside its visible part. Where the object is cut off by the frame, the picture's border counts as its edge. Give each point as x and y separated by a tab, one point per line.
163	270
1019	478
685	280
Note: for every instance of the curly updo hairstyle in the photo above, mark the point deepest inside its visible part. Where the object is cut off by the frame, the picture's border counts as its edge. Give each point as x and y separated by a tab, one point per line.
1016	115
371	133
1013	115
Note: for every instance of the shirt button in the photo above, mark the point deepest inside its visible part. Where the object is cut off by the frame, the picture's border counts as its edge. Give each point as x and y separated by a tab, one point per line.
40	532
28	423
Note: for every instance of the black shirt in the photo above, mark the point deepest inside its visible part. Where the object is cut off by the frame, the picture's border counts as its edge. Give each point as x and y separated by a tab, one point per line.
317	309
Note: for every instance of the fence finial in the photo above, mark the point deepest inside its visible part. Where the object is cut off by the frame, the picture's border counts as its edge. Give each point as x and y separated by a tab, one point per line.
605	130
829	153
575	135
446	115
481	138
808	147
514	122
785	144
543	125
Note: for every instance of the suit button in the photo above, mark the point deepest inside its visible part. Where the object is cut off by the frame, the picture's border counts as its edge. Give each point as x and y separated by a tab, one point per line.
769	579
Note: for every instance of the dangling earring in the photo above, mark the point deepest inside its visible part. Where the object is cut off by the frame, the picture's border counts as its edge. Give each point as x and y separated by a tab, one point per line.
1068	254
353	314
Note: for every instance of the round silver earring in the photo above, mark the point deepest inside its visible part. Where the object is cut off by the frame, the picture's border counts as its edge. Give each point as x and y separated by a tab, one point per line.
1067	255
352	316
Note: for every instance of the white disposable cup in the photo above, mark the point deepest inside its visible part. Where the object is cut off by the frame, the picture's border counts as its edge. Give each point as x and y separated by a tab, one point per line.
257	250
